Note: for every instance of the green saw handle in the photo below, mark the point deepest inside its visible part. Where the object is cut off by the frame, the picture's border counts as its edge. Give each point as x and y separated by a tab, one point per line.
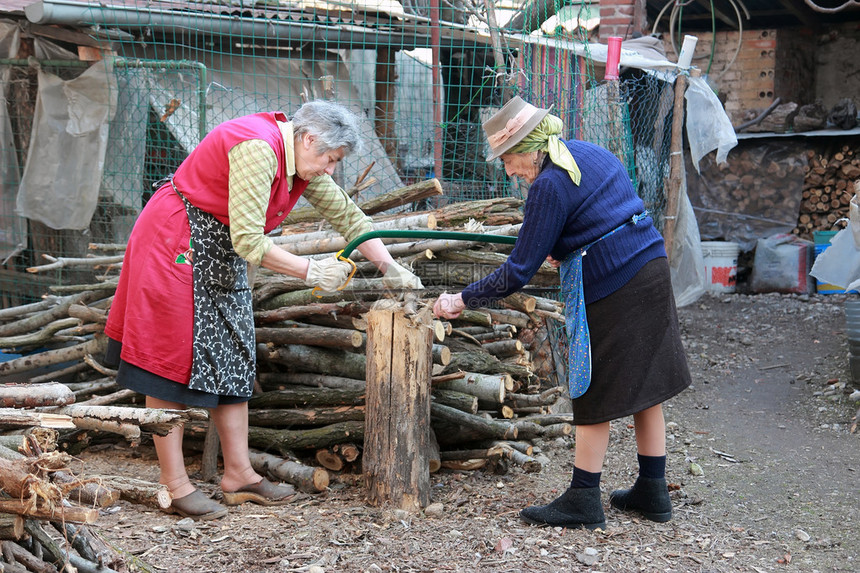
424	234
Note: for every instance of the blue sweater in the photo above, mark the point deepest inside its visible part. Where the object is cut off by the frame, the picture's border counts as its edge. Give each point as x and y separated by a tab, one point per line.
561	217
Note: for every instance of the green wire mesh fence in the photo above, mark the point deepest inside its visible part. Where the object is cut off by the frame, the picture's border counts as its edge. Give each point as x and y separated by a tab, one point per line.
83	141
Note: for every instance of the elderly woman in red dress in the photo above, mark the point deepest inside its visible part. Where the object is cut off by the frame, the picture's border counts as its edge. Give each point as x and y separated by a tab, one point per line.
181	326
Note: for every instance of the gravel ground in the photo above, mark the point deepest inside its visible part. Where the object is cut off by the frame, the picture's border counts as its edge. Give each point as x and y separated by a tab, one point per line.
762	460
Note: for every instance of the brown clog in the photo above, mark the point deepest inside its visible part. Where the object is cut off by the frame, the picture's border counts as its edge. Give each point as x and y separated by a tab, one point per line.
197	505
263	492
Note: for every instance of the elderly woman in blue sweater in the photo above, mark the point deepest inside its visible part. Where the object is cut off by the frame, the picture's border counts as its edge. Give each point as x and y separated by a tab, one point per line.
625	355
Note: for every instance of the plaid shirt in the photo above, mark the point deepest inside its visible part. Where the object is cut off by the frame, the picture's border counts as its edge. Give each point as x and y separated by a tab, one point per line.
252	169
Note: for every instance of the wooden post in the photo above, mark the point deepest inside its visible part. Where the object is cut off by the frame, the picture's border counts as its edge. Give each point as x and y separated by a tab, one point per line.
676	158
397	419
676	165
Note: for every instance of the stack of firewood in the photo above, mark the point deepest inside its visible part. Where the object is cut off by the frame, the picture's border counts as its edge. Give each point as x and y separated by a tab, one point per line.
46	509
493	385
828	187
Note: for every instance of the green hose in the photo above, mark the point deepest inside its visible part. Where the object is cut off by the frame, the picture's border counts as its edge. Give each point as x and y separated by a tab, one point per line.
424	234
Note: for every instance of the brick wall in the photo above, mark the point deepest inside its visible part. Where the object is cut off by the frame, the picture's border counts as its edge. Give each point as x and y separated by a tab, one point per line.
745	82
616	19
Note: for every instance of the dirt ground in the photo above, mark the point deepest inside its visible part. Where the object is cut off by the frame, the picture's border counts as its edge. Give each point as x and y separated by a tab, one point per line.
760	449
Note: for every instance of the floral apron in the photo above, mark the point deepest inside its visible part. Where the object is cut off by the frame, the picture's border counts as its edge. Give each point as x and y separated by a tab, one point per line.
223	348
576	323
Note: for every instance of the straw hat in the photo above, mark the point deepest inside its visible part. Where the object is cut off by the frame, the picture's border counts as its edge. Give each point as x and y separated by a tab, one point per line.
510	125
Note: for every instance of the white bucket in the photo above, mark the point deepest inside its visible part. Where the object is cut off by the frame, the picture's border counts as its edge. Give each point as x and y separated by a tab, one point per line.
721	265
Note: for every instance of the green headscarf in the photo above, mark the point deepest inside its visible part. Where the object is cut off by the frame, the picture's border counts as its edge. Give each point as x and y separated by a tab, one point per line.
544	137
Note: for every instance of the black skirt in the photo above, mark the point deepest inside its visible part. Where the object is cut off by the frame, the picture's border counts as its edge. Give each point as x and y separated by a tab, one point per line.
637	359
145	382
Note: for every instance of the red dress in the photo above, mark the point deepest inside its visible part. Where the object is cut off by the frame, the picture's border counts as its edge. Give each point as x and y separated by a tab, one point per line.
153	310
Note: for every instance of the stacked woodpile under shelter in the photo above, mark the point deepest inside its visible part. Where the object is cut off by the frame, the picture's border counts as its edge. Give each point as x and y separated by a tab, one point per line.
796	184
828	187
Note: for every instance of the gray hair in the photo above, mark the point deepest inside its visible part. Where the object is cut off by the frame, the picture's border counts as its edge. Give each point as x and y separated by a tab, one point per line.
334	126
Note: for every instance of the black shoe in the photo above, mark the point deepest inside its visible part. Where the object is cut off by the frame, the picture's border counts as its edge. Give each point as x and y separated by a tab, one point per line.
648	496
577	507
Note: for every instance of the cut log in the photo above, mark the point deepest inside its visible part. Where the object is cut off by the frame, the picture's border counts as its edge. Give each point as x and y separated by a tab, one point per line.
314	336
138	491
521	302
329	459
487	261
35	395
456	214
270	381
489	387
459	400
286	441
349	452
529	430
504	348
460	427
441	355
509	316
14	553
480	361
60	512
11	526
88	313
15	418
155	420
287	417
50	357
330	242
320	360
491	336
545	398
300	312
45	335
399	364
304	397
403	196
551	419
305	478
557	430
478	317
46	303
439	330
45	317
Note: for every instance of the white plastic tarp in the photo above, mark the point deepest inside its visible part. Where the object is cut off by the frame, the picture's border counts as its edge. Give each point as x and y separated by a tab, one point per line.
13	229
839	264
63	171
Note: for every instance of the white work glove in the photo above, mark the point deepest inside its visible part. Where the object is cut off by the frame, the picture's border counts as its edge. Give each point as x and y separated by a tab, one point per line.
328	274
398	276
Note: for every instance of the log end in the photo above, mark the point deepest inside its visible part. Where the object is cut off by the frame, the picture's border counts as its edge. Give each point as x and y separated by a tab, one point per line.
320	479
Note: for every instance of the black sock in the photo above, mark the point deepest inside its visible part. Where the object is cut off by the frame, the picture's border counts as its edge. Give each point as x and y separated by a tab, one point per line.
582	478
653	467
